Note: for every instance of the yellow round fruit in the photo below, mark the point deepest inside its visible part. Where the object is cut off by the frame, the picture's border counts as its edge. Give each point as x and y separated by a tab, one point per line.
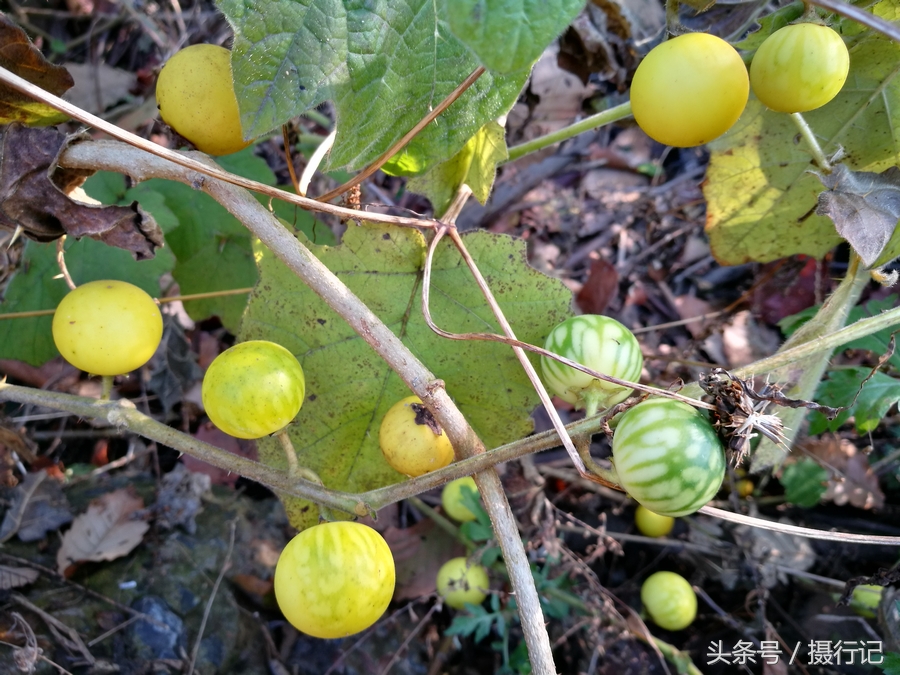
689	90
669	600
652	524
451	499
107	327
800	67
335	579
195	93
253	389
411	440
461	583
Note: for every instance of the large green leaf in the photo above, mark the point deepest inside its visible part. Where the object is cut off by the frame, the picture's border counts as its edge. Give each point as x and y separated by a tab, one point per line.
760	195
385	64
508	35
349	387
36	285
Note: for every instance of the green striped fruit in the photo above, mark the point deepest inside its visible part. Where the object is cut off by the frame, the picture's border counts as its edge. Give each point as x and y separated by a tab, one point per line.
669	600
668	457
601	344
334	579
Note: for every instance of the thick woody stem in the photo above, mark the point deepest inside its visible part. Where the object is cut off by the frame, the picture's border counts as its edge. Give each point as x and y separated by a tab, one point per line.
113	156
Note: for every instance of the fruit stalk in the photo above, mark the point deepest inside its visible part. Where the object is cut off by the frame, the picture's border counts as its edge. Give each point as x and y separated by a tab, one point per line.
811	141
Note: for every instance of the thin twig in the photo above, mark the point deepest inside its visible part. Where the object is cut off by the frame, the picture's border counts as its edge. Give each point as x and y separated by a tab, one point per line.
860	15
407	137
174	298
61	261
289	160
405	643
808	532
194	161
226	564
518	344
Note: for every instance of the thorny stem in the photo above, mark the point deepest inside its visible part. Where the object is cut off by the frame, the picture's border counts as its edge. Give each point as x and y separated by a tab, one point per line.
812	142
615	114
407	137
242	205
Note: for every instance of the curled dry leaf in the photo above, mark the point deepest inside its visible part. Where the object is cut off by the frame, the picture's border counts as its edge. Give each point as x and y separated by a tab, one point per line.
105	532
864	207
34	195
773	551
852	480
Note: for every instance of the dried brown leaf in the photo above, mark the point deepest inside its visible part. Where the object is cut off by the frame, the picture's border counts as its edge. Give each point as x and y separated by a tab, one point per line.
34	196
599	289
852	480
19	56
13	577
105	532
864	207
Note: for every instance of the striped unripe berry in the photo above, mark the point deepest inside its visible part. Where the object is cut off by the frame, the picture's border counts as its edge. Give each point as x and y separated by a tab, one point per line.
668	457
669	600
601	344
335	579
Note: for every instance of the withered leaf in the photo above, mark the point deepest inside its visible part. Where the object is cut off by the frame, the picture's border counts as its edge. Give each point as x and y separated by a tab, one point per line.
37	506
864	207
13	577
105	532
19	56
33	196
852	479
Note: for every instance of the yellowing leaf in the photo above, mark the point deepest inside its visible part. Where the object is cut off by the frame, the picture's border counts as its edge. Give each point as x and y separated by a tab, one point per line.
761	198
475	165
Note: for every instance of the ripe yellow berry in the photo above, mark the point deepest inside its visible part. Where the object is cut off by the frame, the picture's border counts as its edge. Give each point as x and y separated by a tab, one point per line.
195	92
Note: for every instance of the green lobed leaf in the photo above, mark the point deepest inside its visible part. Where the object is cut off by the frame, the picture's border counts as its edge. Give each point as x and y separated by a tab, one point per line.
475	621
509	35
214	251
760	195
875	399
804	483
35	286
475	165
350	388
384	64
